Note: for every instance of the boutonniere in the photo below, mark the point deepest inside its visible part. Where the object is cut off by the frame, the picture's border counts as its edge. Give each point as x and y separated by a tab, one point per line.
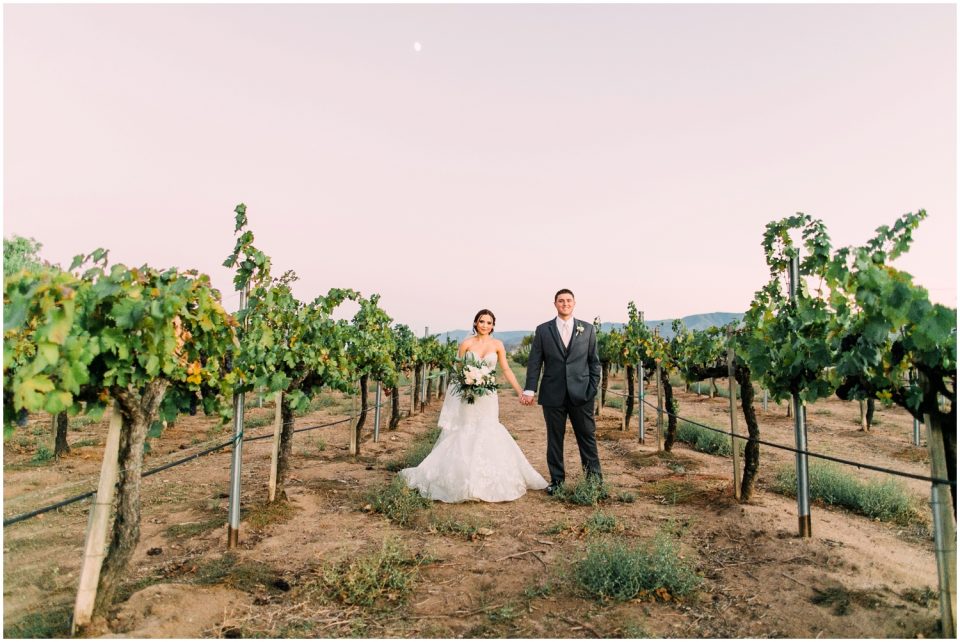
579	329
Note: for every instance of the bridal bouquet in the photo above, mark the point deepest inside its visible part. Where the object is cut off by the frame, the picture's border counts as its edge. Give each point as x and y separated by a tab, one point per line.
472	378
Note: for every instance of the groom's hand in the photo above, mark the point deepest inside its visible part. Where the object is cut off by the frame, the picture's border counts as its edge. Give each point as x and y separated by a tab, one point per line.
526	400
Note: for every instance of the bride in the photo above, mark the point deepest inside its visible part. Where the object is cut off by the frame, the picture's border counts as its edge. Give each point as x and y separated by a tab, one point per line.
475	457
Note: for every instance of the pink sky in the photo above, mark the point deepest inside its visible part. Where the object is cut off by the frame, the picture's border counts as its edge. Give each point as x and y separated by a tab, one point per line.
623	151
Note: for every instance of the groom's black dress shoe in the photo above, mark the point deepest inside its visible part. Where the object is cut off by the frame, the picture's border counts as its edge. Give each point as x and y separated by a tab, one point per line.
554	485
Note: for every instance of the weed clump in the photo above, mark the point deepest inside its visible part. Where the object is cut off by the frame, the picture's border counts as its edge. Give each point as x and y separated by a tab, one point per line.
421	447
469	529
386	575
42	455
887	500
589	490
396	501
262	515
706	441
614	570
600	522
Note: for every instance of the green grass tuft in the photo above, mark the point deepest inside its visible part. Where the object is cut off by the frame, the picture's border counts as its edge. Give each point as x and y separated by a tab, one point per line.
600	522
51	622
374	580
43	454
537	590
230	570
421	447
706	441
469	529
556	528
588	491
614	570
887	500
396	501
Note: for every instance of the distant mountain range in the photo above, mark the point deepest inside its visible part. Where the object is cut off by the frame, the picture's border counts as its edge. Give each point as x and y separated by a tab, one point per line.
512	338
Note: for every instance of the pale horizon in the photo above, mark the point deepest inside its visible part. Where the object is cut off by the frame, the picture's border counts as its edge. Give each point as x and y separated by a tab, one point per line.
459	157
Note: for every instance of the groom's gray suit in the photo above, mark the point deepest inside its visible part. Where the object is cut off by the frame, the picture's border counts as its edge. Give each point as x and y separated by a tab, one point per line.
571	377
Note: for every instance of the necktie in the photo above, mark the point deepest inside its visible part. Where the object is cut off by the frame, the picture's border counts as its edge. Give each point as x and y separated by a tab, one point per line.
565	335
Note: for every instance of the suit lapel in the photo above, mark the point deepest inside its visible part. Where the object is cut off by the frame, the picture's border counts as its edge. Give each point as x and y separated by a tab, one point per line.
556	337
573	335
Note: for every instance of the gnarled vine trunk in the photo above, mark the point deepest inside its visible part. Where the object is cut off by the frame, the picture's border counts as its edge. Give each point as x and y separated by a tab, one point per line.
394	407
138	410
417	382
363	411
429	391
628	413
604	382
751	452
286	447
669	408
60	445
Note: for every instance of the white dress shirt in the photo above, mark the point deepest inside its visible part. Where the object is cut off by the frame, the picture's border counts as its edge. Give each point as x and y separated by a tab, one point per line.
560	329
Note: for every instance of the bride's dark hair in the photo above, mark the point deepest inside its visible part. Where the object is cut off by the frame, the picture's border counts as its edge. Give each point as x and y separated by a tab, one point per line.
480	314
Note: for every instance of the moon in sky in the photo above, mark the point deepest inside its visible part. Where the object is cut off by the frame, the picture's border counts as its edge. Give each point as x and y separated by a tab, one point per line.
417	46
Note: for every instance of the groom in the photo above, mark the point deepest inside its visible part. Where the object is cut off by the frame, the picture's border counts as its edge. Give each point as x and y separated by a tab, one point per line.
565	349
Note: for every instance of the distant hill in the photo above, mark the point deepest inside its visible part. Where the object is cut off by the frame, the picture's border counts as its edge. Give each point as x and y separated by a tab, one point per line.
512	338
693	322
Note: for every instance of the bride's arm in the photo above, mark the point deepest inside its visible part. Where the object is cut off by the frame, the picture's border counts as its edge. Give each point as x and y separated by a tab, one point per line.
505	369
463	348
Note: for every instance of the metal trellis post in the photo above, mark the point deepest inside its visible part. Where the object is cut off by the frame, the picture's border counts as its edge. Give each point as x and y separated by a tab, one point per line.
641	432
659	409
800	435
233	514
376	413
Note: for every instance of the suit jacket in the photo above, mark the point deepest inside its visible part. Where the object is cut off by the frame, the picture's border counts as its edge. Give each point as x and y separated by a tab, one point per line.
574	371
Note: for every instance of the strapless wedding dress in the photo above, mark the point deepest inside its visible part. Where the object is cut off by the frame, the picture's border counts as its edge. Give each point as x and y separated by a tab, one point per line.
475	457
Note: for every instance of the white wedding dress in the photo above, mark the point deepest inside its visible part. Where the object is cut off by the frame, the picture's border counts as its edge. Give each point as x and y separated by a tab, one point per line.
475	458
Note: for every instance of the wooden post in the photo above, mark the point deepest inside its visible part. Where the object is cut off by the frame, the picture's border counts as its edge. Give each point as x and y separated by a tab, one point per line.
275	457
863	415
95	550
944	530
731	357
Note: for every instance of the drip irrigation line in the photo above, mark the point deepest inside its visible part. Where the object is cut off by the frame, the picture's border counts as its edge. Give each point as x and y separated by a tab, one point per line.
72	500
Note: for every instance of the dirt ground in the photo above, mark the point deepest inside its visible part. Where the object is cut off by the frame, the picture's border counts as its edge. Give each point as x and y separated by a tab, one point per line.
854	578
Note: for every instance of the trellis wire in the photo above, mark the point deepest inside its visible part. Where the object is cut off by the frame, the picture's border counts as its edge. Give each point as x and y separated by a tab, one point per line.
66	502
899	473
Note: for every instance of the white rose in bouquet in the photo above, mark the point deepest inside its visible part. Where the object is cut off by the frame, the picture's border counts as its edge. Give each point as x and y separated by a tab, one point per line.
473	378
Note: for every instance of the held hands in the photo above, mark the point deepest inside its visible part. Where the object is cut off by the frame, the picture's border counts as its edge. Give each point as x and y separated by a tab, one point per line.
526	400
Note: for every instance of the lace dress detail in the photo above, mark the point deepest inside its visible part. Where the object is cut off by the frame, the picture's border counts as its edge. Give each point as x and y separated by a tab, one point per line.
475	457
